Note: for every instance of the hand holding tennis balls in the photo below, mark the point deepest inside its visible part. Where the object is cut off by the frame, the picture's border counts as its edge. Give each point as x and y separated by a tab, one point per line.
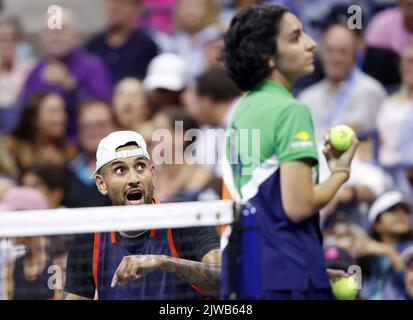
341	137
339	147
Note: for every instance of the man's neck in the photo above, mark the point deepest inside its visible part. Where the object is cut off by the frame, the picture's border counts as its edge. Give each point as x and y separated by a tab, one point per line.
118	35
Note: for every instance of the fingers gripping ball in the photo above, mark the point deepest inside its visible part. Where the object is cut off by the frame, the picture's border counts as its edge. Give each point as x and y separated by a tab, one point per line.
341	137
345	288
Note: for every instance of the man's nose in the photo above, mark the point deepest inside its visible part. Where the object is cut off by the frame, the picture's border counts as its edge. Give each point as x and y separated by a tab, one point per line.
134	178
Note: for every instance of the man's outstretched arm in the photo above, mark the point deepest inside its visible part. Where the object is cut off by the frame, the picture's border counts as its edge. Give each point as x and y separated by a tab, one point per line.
205	275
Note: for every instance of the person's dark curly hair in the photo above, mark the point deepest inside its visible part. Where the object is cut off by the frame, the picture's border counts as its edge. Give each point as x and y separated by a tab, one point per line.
249	42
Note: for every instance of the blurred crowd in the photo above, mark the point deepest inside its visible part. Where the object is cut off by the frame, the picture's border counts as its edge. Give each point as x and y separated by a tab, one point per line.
157	62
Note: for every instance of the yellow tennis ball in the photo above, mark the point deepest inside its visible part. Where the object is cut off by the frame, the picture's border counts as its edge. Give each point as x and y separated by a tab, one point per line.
345	288
341	137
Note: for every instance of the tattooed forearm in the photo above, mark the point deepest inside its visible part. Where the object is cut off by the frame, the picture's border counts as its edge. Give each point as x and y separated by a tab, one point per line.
206	276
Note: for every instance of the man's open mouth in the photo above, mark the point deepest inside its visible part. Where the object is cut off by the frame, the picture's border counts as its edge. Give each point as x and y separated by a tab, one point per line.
134	195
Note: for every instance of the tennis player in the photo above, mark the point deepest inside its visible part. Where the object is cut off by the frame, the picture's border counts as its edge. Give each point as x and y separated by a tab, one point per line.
265	51
146	264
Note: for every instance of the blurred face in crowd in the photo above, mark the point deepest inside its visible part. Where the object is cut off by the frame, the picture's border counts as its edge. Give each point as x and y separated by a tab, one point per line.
198	107
338	52
394	222
54	196
241	4
212	51
406	7
194	15
295	49
95	122
129	103
161	98
406	66
408	279
121	12
342	235
160	121
127	181
8	43
60	42
51	117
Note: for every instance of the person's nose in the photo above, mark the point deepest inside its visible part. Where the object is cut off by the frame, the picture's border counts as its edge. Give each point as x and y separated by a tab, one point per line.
134	178
310	43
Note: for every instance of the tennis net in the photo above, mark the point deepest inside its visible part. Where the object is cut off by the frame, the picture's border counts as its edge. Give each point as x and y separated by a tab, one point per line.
163	251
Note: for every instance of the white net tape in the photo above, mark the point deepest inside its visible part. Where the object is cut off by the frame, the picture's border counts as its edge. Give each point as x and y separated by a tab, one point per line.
125	218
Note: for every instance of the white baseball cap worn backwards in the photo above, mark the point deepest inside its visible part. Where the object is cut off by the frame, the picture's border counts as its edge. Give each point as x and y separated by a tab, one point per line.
106	151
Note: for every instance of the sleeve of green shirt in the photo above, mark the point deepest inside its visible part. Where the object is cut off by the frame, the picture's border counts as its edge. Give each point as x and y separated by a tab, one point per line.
294	134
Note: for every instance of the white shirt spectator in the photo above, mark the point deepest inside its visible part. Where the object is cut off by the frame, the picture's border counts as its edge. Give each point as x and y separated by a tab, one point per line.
210	145
192	48
354	101
395	123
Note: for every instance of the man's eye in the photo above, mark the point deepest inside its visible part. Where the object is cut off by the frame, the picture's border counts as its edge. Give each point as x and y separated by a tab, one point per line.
119	170
140	166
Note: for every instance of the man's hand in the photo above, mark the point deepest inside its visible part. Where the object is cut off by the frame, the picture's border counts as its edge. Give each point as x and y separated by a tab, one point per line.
135	267
55	72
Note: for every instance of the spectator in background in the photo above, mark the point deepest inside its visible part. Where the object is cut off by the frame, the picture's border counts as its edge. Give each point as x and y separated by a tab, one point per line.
40	133
377	253
158	15
13	72
46	178
395	123
125	50
346	95
392	28
68	69
228	13
166	80
95	121
367	57
210	102
212	53
391	232
130	105
7	165
196	27
26	275
177	178
407	256
49	179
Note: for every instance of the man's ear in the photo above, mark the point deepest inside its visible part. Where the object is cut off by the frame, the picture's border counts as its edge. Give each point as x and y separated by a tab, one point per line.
101	185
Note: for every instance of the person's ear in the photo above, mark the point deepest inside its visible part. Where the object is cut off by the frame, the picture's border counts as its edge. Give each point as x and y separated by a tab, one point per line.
271	63
101	185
